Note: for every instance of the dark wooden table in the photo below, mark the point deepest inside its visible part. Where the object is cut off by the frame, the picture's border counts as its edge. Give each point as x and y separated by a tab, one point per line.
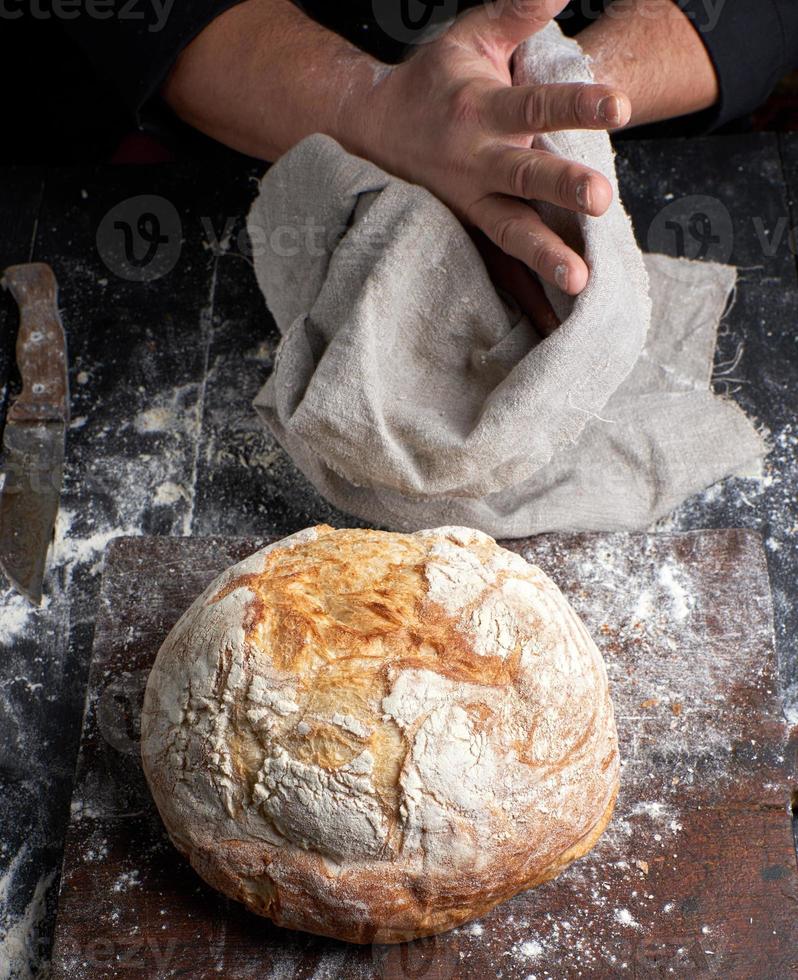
164	441
695	876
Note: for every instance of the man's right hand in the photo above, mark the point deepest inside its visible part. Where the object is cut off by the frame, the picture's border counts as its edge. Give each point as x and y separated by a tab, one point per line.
450	119
263	75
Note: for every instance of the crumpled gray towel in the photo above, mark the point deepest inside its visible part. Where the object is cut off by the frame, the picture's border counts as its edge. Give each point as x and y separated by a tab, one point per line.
411	394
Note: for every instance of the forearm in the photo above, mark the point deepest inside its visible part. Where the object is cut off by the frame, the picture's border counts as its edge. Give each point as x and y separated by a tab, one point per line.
263	75
650	50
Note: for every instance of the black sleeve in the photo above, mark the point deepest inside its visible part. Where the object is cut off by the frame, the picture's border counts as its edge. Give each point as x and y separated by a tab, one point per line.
132	44
752	44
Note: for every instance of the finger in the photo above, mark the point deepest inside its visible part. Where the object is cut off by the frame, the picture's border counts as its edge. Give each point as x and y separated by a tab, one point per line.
535	175
519	231
508	22
548	108
515	278
525	288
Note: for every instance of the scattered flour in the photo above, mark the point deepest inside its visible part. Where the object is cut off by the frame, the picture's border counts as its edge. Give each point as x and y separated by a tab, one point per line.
625	918
116	490
680	598
68	551
653	809
791	704
126	881
159	419
172	414
20	950
645	605
16	616
169	492
11	871
530	949
673	675
673	670
765	501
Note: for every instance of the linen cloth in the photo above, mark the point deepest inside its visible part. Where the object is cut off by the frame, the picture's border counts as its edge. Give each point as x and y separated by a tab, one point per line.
411	394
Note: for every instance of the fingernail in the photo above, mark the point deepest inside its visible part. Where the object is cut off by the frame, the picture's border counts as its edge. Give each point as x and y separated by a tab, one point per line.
561	277
583	195
609	109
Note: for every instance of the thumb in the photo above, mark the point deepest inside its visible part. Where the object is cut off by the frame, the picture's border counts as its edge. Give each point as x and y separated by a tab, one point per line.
508	22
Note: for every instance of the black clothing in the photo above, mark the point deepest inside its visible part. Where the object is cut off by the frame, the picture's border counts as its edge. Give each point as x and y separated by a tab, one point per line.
93	68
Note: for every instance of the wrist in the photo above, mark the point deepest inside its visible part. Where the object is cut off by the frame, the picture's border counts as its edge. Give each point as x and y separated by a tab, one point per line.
262	76
353	119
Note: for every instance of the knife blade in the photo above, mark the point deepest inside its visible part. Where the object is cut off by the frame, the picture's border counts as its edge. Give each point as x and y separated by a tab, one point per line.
35	430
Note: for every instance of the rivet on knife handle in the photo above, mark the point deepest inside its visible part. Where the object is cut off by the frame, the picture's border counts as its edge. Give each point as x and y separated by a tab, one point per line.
41	347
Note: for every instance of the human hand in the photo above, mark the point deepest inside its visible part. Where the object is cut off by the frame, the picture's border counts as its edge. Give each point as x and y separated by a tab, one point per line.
510	276
450	119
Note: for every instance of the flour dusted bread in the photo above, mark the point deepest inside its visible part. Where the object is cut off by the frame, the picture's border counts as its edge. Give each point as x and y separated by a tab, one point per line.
379	736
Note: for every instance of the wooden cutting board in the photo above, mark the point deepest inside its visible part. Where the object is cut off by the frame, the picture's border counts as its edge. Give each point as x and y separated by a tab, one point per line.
696	875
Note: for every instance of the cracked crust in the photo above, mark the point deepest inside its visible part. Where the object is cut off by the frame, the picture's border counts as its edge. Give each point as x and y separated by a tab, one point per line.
377	736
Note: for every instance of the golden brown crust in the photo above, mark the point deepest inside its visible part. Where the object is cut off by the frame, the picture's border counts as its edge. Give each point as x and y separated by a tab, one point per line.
378	736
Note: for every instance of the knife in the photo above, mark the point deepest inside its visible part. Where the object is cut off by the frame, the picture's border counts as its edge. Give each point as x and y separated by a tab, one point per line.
35	431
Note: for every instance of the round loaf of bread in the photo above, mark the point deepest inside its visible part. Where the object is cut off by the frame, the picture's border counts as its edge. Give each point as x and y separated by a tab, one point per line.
377	736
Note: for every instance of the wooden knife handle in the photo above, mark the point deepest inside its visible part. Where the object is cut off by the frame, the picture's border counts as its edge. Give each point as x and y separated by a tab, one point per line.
41	345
